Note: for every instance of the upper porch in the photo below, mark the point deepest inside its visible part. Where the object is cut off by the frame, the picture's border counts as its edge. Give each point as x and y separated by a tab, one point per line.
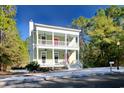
45	39
46	36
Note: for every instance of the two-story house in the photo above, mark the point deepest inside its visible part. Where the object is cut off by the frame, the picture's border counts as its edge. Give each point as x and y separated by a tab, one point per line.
53	46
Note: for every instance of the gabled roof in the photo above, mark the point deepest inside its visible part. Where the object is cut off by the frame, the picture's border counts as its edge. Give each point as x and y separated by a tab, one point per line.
57	27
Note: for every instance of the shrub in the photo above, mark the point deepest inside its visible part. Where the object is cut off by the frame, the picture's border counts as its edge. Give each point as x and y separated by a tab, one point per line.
33	66
45	69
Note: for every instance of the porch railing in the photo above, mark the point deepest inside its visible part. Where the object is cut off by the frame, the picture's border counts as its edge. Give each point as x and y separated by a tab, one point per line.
45	42
56	43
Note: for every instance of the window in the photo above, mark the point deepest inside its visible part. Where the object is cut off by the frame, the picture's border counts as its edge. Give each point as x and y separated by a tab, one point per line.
56	56
44	56
40	36
43	38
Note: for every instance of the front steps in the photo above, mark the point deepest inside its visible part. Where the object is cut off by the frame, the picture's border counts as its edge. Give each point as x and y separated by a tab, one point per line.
74	66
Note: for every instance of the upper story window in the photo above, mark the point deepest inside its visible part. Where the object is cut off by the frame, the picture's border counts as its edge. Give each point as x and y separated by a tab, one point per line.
42	36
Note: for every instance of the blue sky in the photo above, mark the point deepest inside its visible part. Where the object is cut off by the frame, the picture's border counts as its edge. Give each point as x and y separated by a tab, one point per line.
51	15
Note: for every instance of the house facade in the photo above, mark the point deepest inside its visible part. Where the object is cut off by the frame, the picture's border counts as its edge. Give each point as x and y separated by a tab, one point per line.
53	46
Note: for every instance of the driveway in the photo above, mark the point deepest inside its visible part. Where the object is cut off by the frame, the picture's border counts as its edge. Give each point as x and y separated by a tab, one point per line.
87	78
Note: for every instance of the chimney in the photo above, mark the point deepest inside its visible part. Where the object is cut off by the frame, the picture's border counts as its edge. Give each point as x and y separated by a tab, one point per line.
31	27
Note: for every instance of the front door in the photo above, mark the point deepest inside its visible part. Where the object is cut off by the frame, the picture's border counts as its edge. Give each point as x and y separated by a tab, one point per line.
56	57
56	41
44	57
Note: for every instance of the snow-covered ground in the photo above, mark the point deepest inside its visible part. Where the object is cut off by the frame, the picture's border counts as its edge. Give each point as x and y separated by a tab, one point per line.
66	74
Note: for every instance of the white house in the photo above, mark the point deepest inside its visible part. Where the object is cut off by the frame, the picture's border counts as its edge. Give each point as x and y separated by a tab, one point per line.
53	46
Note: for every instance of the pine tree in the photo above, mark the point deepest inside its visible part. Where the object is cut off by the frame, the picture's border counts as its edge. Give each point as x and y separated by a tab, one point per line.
12	49
103	31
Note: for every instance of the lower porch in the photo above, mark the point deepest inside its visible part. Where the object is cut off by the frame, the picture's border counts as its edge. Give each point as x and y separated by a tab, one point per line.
55	57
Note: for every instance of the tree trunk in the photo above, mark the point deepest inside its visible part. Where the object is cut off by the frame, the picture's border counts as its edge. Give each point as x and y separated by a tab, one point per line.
0	67
4	67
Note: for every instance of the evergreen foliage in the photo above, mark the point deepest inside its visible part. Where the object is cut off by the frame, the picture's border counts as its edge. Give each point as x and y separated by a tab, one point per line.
13	52
103	31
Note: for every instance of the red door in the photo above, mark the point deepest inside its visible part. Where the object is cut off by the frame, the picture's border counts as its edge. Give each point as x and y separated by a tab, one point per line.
56	41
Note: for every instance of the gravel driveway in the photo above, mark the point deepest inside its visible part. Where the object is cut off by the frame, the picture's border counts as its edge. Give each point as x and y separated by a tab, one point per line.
93	77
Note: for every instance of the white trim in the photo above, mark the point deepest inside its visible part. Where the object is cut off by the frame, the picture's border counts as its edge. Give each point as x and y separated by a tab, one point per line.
57	31
57	27
55	47
53	57
66	40
32	40
78	43
65	55
37	50
52	38
78	56
49	63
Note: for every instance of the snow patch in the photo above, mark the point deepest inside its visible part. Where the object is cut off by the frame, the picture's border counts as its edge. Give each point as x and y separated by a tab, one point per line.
66	74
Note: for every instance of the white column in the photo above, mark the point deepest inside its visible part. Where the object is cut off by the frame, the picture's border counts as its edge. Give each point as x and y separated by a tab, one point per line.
66	48
53	48
32	44
78	41
78	48
53	39
78	56
79	51
37	37
53	57
66	55
66	40
37	46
